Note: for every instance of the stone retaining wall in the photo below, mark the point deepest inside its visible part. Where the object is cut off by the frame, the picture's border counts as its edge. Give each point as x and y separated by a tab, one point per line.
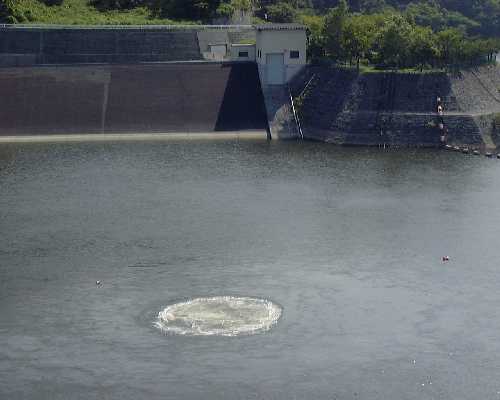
344	107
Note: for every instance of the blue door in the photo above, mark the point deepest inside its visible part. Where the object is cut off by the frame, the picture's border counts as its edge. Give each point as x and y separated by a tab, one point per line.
275	69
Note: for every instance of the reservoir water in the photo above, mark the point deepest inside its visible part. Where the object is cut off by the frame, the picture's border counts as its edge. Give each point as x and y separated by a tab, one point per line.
348	242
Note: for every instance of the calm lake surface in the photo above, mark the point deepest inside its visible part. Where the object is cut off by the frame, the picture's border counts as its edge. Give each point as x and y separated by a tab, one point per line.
348	241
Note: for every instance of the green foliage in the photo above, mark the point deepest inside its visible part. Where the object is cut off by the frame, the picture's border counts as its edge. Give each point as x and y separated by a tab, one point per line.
225	10
52	2
335	21
474	17
281	12
449	42
359	37
73	12
244	5
423	49
187	9
316	37
433	15
372	6
395	40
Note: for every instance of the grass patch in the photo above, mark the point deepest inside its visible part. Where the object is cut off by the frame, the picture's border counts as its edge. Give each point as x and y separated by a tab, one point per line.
370	69
365	68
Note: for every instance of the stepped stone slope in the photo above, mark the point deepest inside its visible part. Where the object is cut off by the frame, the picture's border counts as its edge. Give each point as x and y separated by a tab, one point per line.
139	98
344	107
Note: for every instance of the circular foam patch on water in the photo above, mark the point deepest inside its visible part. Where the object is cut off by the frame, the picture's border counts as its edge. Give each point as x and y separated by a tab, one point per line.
219	316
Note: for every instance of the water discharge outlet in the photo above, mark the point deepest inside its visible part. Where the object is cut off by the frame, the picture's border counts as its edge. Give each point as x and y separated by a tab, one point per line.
219	316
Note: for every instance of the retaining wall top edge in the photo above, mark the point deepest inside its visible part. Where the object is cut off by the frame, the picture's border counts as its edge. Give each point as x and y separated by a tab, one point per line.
131	64
124	27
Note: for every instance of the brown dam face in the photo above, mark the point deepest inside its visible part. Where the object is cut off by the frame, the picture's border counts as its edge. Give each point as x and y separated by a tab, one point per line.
147	98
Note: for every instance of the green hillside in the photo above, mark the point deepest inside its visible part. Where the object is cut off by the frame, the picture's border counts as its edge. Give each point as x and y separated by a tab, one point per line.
73	12
474	17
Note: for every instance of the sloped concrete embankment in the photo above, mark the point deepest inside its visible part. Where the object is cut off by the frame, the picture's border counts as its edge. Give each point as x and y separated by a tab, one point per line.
147	98
22	45
478	92
344	107
35	45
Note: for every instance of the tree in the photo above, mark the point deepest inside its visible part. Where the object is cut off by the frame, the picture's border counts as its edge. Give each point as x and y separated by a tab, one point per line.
394	42
4	13
359	35
449	42
427	13
335	21
316	40
372	6
200	10
423	47
281	13
52	2
227	9
112	4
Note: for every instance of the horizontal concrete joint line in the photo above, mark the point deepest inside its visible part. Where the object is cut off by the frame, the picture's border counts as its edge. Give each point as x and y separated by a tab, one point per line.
97	137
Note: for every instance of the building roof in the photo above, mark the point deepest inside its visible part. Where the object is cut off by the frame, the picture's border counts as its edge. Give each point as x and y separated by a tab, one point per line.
280	27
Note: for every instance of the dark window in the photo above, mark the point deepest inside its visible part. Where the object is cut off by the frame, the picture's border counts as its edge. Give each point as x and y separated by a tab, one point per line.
294	54
243	54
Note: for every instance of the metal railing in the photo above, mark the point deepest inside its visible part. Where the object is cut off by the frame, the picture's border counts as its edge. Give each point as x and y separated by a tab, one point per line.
124	27
295	115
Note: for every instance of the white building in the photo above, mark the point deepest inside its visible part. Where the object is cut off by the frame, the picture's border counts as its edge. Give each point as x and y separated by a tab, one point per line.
243	52
280	52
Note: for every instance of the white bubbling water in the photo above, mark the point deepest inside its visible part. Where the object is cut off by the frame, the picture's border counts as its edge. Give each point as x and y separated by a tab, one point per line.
219	316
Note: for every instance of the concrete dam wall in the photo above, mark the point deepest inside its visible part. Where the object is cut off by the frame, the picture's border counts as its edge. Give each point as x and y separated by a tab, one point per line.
398	109
140	98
